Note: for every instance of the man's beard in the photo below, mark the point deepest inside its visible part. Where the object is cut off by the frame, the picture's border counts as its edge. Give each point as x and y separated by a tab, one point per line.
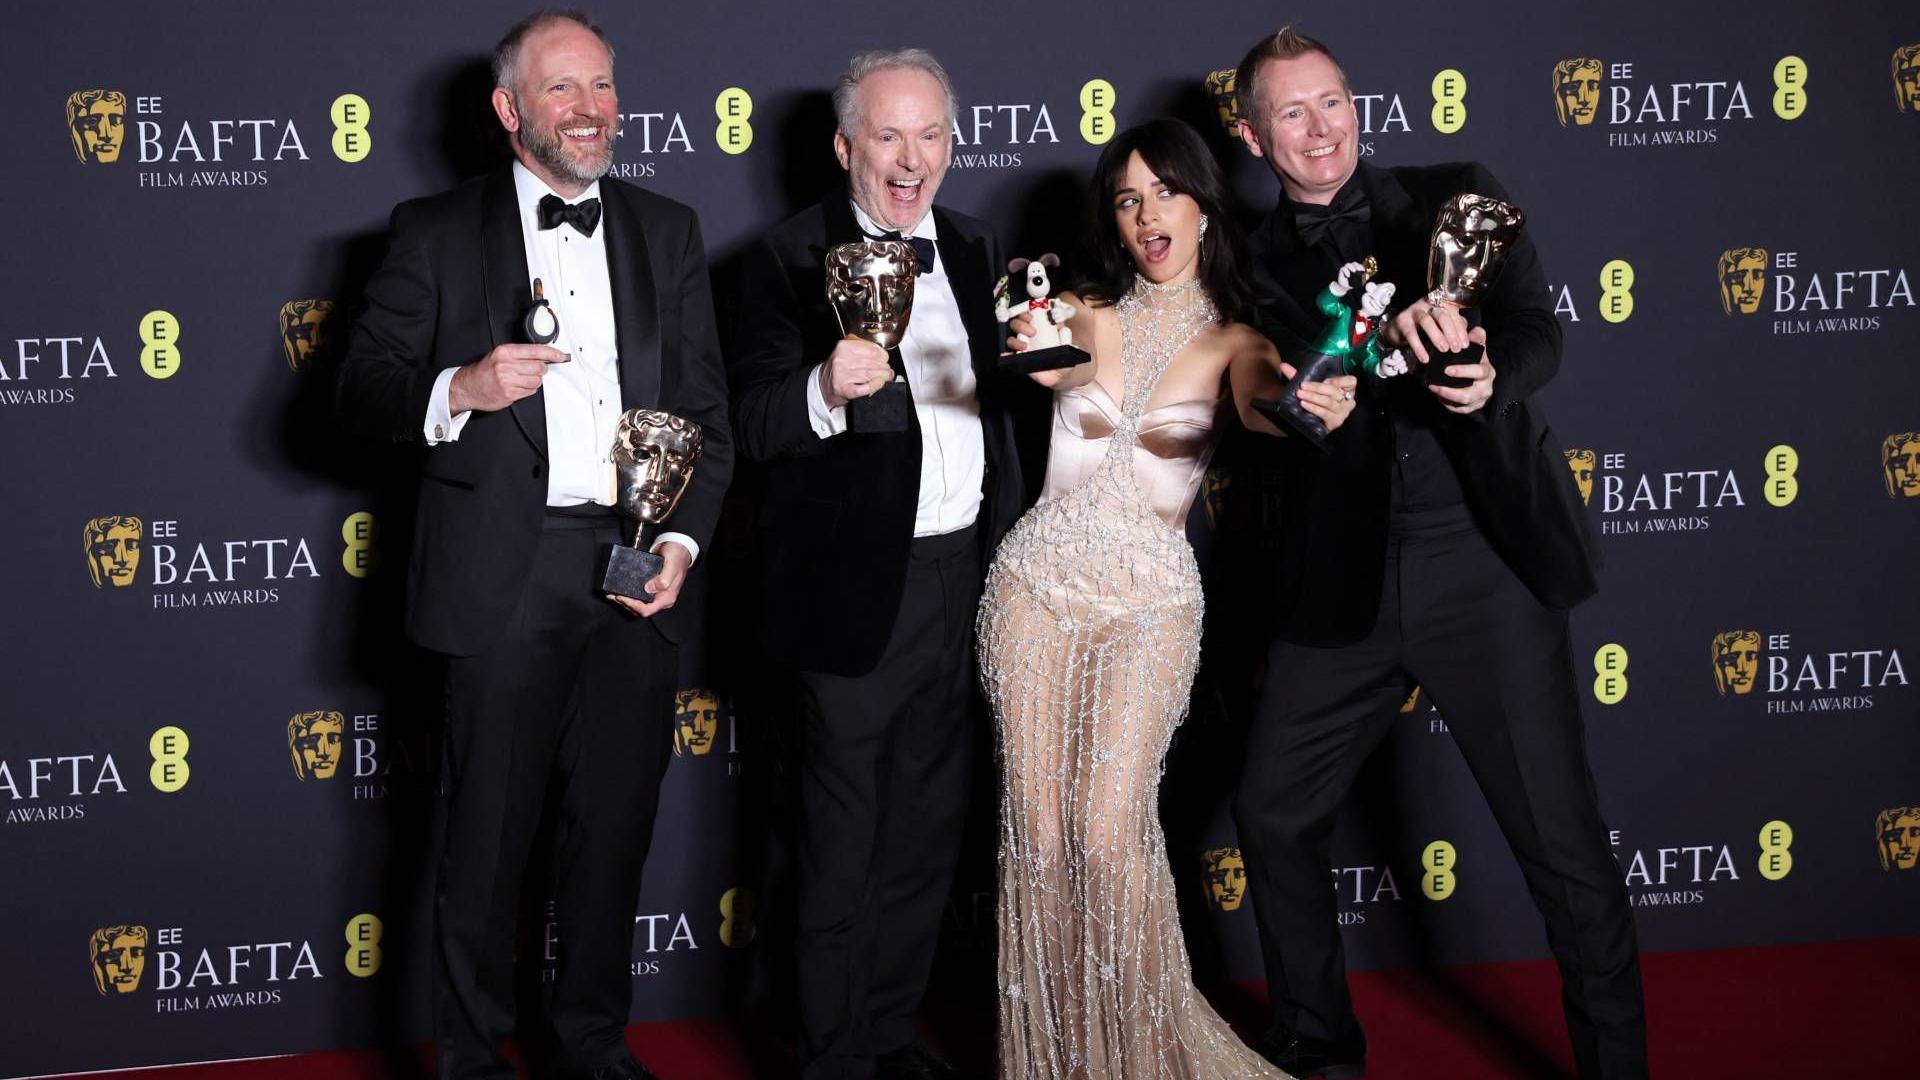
545	147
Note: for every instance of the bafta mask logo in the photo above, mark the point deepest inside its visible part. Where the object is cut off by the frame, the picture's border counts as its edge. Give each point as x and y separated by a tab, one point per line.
113	549
1412	702
97	123
1226	877
1226	98
1898	831
1736	661
1906	78
313	739
306	331
1900	460
1743	279
1576	91
119	956
696	719
1581	462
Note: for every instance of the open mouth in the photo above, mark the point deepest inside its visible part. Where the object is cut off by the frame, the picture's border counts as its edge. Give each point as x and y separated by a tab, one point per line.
904	191
1155	245
1321	151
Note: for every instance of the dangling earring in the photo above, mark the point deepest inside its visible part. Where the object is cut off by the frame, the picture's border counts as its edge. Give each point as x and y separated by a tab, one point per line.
1203	226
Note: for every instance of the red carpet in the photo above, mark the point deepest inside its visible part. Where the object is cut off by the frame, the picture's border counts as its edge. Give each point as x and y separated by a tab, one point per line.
1836	1011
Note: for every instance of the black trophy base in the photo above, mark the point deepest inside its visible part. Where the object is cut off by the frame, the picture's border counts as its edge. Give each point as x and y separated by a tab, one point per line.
888	410
1287	413
1435	369
1051	358
628	571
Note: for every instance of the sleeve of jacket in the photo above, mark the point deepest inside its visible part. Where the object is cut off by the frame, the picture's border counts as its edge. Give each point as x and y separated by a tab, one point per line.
1523	334
701	394
767	367
384	379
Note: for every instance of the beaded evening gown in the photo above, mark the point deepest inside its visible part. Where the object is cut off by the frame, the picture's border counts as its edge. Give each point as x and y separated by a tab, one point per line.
1089	639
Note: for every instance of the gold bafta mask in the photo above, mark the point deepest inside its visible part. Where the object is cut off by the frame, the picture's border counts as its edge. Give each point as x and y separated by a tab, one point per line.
1736	661
119	956
1906	78
113	549
97	122
870	285
1900	460
1898	831
1226	878
305	330
1470	240
696	719
653	457
1576	90
1226	98
313	739
1743	279
1412	702
1581	462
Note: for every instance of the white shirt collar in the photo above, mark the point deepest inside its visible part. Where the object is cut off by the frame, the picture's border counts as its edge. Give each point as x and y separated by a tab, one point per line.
924	229
530	189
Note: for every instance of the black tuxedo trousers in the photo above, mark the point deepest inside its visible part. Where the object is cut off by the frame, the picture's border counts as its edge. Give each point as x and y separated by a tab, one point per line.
1455	620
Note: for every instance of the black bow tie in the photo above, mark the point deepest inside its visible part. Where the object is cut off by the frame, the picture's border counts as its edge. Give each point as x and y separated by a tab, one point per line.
1350	212
923	248
584	215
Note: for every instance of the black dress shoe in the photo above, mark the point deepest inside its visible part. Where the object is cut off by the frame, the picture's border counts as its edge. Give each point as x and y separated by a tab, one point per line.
1304	1058
625	1069
915	1061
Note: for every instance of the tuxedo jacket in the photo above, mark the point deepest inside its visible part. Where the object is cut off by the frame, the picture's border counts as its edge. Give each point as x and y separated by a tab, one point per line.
1337	505
838	516
452	286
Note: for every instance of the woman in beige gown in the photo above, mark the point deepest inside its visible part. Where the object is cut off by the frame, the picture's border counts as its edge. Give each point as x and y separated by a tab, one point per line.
1090	630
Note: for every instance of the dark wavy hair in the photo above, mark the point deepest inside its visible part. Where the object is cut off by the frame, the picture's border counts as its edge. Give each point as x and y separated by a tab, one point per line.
1178	156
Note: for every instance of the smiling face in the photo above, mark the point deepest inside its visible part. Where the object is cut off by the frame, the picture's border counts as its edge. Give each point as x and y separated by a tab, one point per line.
563	113
1159	226
898	152
1304	125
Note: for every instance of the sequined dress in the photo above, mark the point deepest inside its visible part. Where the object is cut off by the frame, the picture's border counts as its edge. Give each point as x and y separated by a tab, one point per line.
1089	639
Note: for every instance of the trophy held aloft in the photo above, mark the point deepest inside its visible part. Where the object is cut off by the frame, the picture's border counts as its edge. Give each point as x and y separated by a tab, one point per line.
653	456
1471	237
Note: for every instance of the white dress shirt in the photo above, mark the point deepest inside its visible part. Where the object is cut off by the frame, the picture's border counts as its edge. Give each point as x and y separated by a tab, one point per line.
581	397
940	371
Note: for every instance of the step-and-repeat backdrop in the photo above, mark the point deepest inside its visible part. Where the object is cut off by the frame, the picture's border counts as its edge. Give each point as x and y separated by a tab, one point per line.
217	754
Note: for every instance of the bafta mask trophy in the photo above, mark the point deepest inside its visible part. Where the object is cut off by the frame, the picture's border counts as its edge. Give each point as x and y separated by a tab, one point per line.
870	285
653	457
1470	241
1354	304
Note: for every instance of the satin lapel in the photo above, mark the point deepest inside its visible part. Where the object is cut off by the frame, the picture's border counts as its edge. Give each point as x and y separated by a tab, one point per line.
1297	274
1400	234
503	267
636	303
971	280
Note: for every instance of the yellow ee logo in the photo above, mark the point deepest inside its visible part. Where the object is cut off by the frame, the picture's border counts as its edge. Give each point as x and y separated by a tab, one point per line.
1789	83
1610	674
1096	111
736	918
363	945
1449	101
1616	291
170	770
361	556
350	114
1782	462
159	335
1436	870
733	107
1776	861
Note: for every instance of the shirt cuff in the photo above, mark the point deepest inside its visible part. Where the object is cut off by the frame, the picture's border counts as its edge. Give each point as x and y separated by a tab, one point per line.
442	426
826	422
685	541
